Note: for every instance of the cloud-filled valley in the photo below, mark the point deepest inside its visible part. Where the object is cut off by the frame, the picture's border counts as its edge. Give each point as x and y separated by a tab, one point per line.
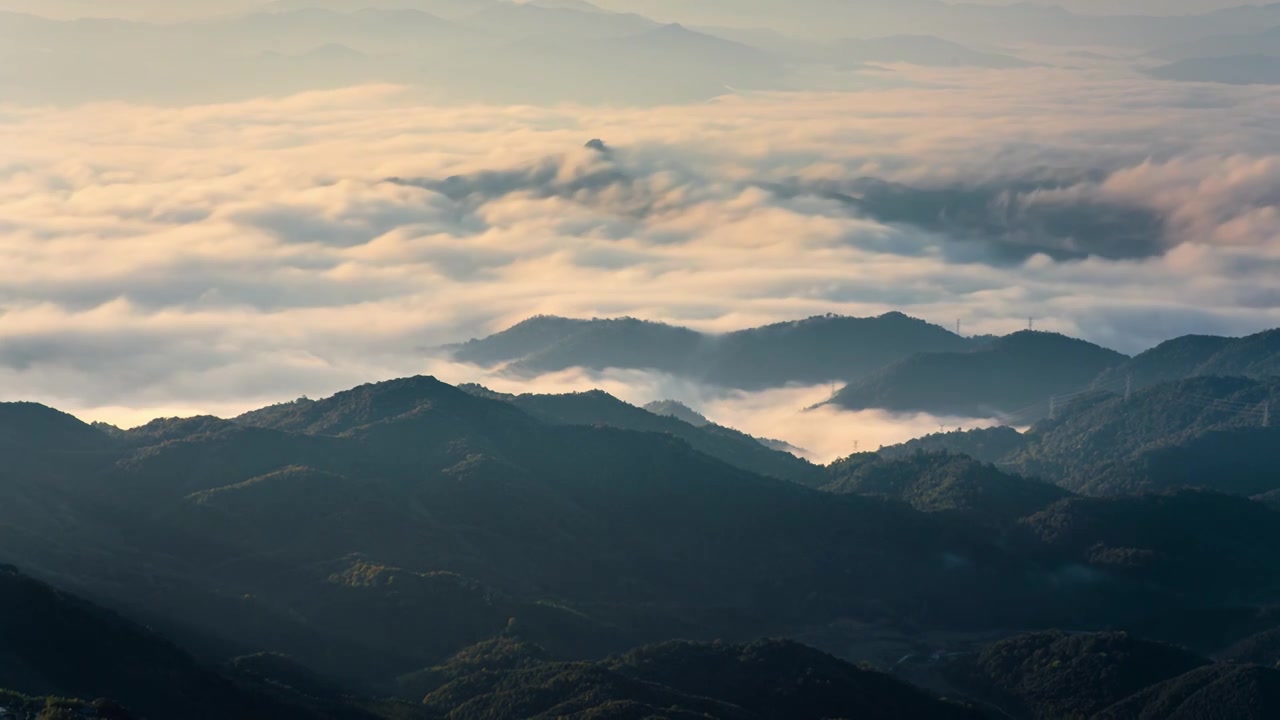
213	256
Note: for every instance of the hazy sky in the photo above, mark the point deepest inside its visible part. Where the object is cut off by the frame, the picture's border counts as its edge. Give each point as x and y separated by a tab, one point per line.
168	10
212	257
1135	7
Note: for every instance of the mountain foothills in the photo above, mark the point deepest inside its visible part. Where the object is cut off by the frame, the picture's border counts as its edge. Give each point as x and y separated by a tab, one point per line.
410	549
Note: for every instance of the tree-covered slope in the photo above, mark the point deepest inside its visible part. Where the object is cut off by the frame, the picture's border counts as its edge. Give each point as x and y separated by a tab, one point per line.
725	444
944	482
1012	375
1215	692
771	679
55	644
242	528
1200	432
1047	676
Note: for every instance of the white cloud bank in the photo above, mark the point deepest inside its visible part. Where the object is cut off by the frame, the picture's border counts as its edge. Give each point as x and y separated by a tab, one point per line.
215	258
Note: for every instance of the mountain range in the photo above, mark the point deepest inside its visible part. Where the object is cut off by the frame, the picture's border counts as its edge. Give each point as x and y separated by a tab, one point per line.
890	362
617	52
1002	377
316	554
1213	432
813	351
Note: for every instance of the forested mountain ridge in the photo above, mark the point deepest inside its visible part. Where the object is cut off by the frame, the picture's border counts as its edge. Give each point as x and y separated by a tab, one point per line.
253	529
1256	356
891	362
819	349
725	444
1012	375
1214	432
384	530
943	482
682	680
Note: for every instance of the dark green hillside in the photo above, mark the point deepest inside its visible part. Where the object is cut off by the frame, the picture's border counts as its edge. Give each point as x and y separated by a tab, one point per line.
1203	432
385	531
1199	432
1007	376
1216	692
1261	648
943	482
1256	356
52	643
40	441
689	680
1048	676
821	349
679	411
725	444
781	679
991	445
816	350
369	405
596	538
1214	547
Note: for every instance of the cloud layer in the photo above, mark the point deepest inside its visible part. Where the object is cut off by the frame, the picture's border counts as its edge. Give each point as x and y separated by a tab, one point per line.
166	260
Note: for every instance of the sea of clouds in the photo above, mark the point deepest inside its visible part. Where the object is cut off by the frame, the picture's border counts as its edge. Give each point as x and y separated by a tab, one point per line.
214	258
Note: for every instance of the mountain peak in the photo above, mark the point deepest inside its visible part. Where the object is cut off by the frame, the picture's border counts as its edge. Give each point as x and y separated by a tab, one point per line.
679	411
362	406
28	422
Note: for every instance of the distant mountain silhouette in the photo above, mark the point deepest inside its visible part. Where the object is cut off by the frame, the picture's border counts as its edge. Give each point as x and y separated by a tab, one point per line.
677	410
1228	69
1266	42
1006	377
518	20
816	350
917	50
